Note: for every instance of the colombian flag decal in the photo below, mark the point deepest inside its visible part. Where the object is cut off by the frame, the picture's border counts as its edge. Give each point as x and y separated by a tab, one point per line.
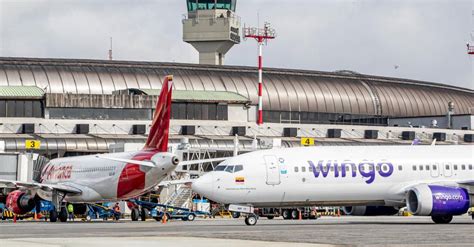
239	179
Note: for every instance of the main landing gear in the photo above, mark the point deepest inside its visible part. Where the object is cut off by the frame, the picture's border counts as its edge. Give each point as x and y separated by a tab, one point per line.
442	219
57	200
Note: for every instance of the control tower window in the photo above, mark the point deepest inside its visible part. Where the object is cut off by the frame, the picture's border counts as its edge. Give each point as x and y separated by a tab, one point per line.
194	5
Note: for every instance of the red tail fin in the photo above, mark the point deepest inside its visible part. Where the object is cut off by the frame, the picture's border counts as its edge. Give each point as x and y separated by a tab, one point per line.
158	137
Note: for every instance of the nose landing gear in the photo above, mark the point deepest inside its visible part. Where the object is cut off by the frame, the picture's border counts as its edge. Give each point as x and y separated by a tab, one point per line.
251	219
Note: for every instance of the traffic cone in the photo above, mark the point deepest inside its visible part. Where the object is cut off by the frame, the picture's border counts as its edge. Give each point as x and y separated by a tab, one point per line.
164	219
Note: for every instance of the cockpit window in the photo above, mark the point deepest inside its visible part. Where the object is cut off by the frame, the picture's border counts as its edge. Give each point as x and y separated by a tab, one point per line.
220	168
238	168
229	169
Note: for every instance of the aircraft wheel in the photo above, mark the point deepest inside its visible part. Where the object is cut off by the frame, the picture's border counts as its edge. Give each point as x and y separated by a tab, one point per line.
63	215
442	219
295	214
286	214
135	214
235	215
143	214
190	217
251	220
53	216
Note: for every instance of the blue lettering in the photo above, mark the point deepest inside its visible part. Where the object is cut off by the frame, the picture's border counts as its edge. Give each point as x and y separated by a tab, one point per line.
384	165
367	169
345	164
319	168
336	169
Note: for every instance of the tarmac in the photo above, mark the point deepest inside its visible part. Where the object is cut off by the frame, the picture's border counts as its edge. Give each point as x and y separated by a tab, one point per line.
326	231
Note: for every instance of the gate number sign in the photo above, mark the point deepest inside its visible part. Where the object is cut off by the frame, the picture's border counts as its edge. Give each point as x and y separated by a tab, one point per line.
307	141
32	144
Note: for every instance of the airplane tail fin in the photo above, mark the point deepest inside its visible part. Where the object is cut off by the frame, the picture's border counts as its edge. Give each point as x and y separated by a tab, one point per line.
158	137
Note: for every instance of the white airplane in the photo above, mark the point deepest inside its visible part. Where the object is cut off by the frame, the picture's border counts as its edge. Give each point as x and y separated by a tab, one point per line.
104	177
436	181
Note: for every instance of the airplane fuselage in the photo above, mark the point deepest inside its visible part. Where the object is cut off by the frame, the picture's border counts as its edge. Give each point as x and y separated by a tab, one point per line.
346	176
102	179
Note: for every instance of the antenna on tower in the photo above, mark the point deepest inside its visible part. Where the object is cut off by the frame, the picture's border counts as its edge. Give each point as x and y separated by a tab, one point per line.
110	50
261	35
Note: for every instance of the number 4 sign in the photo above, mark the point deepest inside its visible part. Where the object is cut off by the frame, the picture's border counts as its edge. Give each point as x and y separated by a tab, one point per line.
305	141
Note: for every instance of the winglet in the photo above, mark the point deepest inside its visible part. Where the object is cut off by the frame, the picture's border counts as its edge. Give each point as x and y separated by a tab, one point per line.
158	137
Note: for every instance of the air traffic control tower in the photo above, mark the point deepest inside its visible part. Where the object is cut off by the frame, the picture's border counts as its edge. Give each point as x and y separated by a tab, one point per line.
212	28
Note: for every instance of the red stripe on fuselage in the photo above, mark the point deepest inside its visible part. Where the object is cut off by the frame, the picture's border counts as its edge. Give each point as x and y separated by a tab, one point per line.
132	180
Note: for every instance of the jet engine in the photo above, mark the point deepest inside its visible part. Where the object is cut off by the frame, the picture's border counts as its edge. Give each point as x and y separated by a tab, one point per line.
19	202
435	200
369	210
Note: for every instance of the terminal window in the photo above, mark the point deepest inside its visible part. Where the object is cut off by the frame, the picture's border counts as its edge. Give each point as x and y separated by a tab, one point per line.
21	108
322	118
199	111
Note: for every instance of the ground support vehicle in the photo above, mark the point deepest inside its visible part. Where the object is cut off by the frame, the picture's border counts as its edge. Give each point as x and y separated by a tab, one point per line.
144	209
98	211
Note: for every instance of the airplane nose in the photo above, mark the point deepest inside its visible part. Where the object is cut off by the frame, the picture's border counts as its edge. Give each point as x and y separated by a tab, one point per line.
203	185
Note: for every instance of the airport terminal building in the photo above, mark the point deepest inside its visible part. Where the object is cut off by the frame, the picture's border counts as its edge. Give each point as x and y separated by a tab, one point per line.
81	106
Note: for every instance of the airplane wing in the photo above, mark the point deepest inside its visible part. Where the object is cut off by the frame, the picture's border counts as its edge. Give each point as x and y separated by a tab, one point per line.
405	188
192	162
174	182
34	185
136	162
467	182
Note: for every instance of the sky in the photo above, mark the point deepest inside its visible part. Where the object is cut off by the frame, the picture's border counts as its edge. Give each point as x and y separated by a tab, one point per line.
415	39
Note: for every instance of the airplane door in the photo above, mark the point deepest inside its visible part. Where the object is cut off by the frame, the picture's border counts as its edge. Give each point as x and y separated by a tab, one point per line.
448	169
273	170
435	170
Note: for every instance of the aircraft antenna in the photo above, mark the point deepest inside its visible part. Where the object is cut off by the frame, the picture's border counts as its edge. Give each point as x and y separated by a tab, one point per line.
110	50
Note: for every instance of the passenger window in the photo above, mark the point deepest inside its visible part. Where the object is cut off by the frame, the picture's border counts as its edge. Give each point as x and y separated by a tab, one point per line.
229	169
238	168
332	168
296	169
463	167
377	168
435	167
470	167
310	169
414	168
427	167
347	168
219	168
421	168
447	167
455	167
400	168
303	169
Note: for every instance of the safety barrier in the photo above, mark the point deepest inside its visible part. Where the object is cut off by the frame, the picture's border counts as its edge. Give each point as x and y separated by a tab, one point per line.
7	214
